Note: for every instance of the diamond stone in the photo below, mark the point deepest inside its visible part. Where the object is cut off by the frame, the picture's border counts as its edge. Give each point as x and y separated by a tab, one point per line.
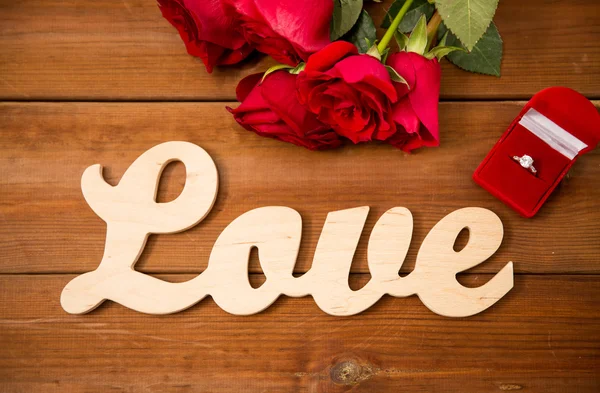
526	161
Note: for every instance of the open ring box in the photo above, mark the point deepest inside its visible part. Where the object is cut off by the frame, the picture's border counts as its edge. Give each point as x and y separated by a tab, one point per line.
555	127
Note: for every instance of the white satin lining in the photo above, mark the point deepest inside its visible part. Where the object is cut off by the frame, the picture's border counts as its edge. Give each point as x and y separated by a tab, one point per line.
558	138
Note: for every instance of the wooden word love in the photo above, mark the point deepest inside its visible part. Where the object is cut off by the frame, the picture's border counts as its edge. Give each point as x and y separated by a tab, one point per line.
132	213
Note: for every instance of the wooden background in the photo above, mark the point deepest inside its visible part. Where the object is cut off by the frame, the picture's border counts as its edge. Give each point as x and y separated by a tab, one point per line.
85	82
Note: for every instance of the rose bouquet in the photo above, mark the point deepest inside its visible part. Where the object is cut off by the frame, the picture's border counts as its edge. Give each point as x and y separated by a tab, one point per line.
336	81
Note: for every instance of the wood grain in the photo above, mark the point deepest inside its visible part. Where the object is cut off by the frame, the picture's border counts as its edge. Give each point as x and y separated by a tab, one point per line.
528	341
47	226
542	337
125	50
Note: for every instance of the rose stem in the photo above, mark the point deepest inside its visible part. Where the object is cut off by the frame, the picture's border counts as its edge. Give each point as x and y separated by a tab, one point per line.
385	41
432	28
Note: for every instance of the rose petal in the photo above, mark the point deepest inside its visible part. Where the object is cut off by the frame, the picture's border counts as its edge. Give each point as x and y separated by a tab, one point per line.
367	69
246	85
207	31
386	128
424	98
234	56
404	141
404	115
304	23
402	63
271	109
256	117
318	100
329	56
277	90
217	26
288	30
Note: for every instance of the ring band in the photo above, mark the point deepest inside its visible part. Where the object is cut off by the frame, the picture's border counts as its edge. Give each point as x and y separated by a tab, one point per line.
526	162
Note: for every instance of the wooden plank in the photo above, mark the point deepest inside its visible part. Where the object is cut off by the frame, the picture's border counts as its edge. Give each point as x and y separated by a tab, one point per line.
542	337
48	227
124	50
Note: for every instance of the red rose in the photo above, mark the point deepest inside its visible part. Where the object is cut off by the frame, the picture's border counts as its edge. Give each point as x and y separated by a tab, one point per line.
416	112
287	30
350	92
206	30
271	109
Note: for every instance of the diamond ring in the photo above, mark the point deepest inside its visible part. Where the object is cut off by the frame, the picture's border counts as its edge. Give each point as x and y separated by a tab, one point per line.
526	162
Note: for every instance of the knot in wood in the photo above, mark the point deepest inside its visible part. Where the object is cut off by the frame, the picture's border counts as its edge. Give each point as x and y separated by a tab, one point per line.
349	372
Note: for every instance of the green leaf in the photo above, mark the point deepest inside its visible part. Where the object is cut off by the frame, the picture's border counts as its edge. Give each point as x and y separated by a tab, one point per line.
412	16
363	34
345	15
276	67
486	56
298	69
445	34
441	51
417	42
395	76
374	52
385	55
401	40
467	19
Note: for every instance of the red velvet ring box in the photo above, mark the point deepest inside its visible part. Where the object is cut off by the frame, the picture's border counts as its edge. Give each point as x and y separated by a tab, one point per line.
555	127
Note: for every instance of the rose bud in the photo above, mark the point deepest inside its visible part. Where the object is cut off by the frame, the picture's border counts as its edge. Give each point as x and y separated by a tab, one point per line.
352	93
208	33
287	30
270	108
416	112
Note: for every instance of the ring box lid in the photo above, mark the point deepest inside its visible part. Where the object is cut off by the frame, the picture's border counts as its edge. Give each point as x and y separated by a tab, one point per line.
571	111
